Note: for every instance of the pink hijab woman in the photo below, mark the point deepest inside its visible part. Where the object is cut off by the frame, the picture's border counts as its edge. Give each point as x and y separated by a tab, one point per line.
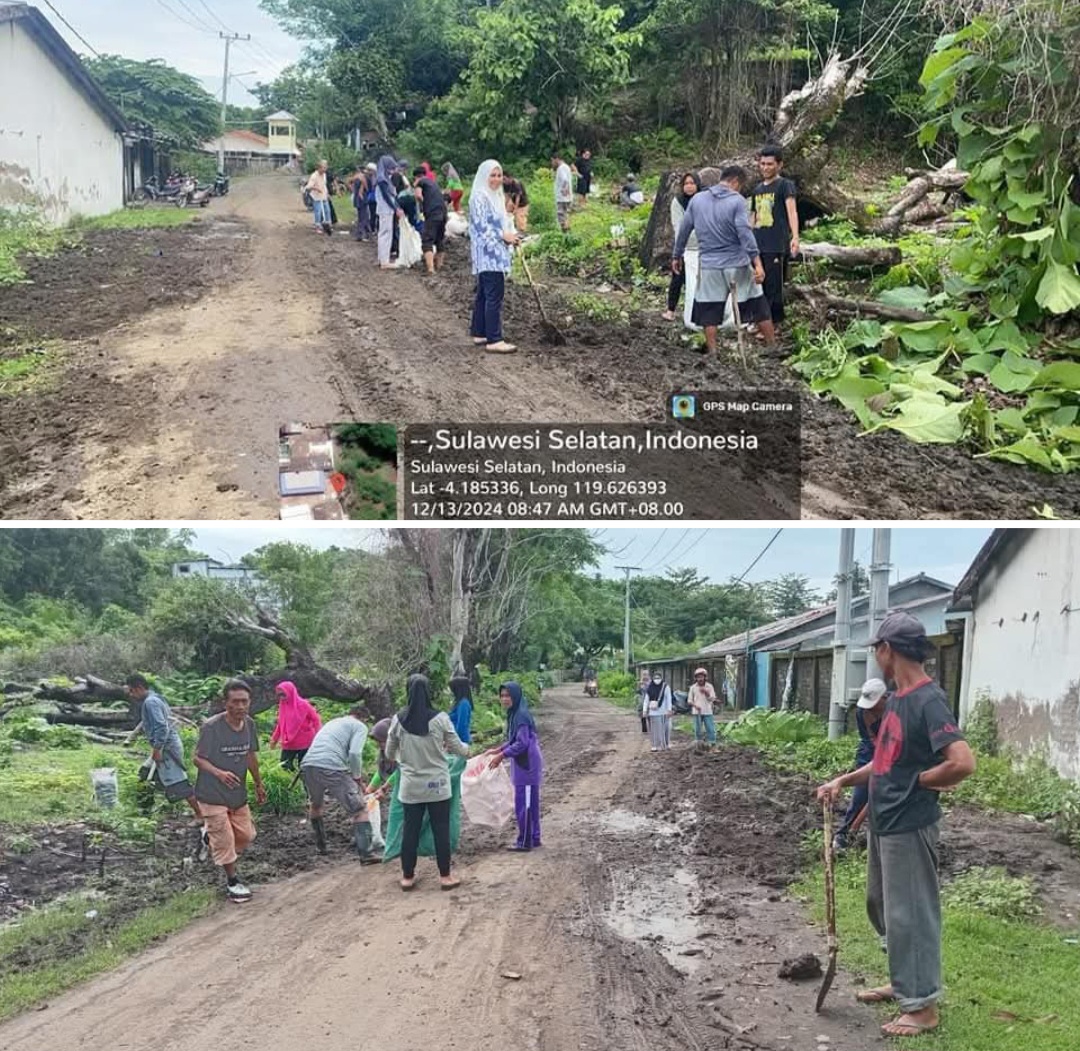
297	725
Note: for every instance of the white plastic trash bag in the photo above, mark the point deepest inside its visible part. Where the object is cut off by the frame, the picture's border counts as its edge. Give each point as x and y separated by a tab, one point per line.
487	795
456	225
375	817
106	787
410	249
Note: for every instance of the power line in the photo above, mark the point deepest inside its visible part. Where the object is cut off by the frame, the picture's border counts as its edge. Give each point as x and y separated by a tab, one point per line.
761	555
72	28
195	14
656	543
181	18
694	543
213	15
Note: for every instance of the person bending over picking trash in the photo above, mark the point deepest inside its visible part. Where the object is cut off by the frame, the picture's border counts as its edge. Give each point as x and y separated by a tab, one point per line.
297	724
869	709
334	766
919	753
418	740
227	751
527	766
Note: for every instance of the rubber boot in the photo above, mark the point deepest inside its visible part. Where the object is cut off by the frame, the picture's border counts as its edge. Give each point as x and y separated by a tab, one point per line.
320	834
362	838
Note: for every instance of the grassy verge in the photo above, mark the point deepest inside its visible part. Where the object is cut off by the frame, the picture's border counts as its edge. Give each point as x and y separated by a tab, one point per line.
1010	985
149	217
108	946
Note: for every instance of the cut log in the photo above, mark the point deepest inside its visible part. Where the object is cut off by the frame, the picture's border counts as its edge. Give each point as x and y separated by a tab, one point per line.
912	205
826	301
77	717
849	258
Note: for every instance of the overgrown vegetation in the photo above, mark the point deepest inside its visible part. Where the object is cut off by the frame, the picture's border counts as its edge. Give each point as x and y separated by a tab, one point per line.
766	728
993	892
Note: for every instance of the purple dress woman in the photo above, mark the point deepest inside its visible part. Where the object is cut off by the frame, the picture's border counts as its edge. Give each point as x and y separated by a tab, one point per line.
527	764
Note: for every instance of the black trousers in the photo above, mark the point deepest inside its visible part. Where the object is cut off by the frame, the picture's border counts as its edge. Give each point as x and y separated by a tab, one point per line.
775	265
439	814
292	757
678	280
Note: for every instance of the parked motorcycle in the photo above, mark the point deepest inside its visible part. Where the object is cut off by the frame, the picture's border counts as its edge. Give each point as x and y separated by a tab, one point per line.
191	193
151	190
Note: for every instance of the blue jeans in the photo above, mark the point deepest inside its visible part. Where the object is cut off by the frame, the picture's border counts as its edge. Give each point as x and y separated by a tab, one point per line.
705	726
322	212
860	796
487	309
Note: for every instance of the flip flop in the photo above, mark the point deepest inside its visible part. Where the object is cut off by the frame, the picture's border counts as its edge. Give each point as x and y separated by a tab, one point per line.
407	884
875	996
911	1029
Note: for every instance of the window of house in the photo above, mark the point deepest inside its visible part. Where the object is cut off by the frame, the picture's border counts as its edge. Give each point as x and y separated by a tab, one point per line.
279	129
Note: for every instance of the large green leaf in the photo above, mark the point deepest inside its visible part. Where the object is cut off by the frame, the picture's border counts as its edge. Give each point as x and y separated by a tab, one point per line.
1059	289
1007	380
1028	450
1060	375
980	364
853	391
939	62
927	419
911	297
923	336
1006	336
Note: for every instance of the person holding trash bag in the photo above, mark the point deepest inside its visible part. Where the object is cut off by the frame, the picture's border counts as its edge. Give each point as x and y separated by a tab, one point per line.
491	236
297	724
418	741
334	766
527	769
386	208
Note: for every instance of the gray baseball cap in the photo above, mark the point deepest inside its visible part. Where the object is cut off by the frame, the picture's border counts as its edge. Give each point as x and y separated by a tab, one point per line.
899	627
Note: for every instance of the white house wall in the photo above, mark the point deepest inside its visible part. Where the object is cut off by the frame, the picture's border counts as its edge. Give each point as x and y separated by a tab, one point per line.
57	152
1025	650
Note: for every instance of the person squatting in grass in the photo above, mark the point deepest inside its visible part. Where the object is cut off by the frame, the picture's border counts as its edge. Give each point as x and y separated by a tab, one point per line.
701	698
166	748
296	726
775	220
919	753
522	747
419	739
226	752
491	236
334	766
730	258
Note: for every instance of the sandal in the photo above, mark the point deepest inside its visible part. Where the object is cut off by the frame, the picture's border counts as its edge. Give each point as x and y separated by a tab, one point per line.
907	1028
884	995
408	884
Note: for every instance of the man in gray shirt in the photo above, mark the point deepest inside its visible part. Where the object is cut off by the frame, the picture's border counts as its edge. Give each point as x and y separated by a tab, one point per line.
730	259
227	751
334	766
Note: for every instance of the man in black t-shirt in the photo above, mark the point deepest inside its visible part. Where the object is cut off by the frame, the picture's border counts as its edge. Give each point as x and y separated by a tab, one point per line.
776	225
919	753
433	205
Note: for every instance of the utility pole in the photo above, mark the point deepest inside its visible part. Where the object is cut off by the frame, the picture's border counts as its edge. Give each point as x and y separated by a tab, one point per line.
879	592
841	661
228	38
626	621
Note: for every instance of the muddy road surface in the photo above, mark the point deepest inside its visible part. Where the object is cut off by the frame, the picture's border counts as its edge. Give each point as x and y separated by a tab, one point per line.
171	357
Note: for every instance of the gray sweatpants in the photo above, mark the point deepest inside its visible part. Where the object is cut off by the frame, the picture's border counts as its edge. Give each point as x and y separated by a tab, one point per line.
904	906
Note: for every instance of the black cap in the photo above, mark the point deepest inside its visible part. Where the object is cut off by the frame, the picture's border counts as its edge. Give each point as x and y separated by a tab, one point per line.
899	627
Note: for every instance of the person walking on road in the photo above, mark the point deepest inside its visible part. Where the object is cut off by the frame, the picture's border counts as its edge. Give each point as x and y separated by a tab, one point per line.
564	192
320	198
461	711
386	207
491	236
686	275
701	698
297	724
869	709
776	226
227	751
522	747
333	767
166	748
730	260
659	711
919	753
418	740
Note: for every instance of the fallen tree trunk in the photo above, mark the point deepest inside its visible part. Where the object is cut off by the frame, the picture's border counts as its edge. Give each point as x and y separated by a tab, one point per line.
119	721
912	205
825	301
849	258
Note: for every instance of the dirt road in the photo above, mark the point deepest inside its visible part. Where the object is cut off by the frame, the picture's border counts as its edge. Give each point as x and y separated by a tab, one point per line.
174	354
616	942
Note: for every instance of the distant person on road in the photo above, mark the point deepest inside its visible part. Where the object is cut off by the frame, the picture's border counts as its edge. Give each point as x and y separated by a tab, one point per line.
454	187
730	258
701	698
333	767
297	724
869	709
687	274
564	192
522	747
583	166
659	710
517	202
776	225
228	749
418	741
491	236
433	205
461	711
919	753
320	198
166	748
387	209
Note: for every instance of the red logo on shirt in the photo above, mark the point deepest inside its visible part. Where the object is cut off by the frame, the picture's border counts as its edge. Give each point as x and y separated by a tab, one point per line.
890	743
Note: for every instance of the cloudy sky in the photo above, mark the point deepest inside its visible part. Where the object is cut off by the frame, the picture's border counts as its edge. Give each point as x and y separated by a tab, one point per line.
718	554
185	34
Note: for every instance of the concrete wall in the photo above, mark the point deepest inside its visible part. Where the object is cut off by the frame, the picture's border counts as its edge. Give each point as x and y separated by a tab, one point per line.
1025	647
57	152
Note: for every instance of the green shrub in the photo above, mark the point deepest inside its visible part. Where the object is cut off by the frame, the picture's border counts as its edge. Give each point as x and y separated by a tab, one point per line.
994	892
1026	785
618	685
599	308
817	757
981	728
765	726
1067	821
282	796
